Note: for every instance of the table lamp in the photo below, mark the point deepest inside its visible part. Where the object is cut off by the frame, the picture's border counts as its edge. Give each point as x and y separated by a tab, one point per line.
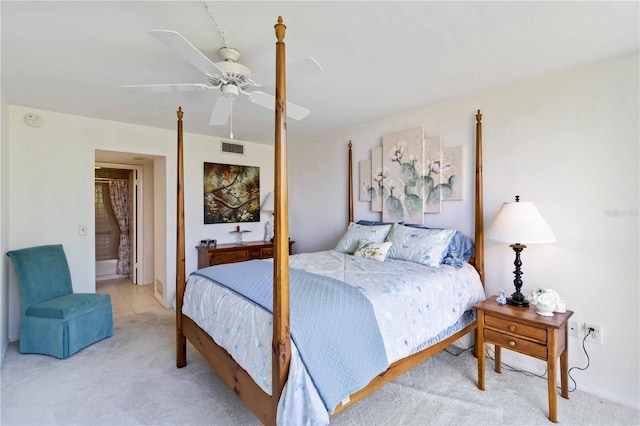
267	206
519	223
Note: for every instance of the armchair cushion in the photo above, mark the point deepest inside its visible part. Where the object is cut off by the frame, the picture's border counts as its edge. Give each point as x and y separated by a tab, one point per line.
69	306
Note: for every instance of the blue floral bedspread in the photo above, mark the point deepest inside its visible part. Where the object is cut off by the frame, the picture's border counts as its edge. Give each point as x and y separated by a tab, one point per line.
414	305
333	325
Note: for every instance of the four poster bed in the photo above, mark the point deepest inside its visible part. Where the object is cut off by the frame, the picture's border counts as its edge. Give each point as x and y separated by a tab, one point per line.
270	362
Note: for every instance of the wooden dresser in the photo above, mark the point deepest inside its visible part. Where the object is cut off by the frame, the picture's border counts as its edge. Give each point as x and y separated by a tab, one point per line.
230	253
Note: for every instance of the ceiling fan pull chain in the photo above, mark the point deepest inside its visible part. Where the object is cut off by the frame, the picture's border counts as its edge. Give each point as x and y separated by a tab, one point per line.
221	31
231	121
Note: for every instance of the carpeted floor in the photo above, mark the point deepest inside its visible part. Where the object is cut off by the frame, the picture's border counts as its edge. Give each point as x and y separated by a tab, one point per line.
131	379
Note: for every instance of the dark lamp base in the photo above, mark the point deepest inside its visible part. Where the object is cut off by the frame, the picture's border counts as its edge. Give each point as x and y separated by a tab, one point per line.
517	298
524	303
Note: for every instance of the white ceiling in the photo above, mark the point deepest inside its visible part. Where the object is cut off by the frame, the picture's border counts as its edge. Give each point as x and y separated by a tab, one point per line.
380	58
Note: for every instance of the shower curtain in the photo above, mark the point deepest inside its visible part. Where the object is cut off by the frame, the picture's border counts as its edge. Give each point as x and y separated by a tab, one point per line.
119	194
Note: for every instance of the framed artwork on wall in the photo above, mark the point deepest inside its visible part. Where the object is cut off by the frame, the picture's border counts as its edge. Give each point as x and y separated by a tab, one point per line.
432	174
402	165
451	176
231	193
377	179
411	175
365	180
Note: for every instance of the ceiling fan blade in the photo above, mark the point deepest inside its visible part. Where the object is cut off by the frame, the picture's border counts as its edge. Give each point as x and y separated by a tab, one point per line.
168	88
187	51
221	112
297	70
269	101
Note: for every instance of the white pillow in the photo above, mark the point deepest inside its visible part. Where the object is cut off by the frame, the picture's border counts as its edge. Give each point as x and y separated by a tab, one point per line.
419	245
371	250
349	241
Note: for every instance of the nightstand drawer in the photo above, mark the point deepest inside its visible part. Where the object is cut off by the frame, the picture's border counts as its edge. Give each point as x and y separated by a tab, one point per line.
515	328
526	347
229	257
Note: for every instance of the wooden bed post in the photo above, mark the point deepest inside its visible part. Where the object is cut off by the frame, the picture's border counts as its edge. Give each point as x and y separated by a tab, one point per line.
181	342
479	225
281	345
350	183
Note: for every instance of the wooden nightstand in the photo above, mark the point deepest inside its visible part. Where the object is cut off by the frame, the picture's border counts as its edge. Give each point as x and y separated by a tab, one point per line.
524	331
231	253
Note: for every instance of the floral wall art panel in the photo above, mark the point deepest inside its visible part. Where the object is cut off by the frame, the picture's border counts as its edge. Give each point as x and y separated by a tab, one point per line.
231	193
365	180
450	171
377	179
430	181
403	160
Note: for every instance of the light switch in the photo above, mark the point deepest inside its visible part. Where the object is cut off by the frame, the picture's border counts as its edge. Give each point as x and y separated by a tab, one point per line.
82	229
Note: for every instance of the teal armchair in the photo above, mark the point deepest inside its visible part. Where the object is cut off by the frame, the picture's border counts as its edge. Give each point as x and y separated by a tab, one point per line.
55	320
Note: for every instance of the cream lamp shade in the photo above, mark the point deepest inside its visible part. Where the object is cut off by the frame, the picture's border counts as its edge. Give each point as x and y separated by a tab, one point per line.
520	222
267	205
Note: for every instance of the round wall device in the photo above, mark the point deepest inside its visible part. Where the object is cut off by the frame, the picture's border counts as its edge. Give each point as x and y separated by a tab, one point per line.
33	120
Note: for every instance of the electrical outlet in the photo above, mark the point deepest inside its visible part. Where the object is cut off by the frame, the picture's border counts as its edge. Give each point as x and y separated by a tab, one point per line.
573	329
593	333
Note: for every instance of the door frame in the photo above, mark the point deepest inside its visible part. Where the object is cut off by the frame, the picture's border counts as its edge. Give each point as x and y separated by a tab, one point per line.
136	210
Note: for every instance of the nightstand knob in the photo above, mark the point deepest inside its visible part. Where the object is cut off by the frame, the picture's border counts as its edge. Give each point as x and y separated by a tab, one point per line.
512	343
512	327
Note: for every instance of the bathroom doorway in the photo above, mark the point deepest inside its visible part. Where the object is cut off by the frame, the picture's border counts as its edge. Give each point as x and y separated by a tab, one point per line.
117	228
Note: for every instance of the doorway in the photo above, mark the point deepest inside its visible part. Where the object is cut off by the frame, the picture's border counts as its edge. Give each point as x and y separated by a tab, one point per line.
117	227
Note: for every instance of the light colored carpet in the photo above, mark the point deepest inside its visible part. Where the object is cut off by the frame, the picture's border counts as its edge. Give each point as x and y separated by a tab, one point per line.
131	379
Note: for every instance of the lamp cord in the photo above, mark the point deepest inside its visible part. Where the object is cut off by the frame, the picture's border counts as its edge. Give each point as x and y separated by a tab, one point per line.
461	351
544	375
575	385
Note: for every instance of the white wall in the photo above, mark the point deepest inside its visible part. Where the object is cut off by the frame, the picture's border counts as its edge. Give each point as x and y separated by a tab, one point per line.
569	142
51	179
4	226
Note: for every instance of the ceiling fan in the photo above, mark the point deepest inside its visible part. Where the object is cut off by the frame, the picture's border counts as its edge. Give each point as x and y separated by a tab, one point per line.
229	77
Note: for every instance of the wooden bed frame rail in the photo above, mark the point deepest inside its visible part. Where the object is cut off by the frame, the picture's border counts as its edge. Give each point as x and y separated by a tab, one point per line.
263	405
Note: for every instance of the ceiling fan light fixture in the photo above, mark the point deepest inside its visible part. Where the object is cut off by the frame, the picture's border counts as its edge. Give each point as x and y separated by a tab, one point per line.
230	91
